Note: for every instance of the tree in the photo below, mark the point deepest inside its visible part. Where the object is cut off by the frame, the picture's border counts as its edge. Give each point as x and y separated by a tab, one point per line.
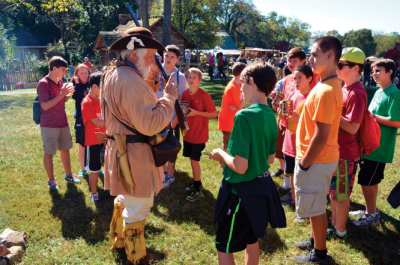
144	6
385	42
361	39
335	33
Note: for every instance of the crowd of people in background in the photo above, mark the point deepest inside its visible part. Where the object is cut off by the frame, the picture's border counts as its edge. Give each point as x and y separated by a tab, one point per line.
317	144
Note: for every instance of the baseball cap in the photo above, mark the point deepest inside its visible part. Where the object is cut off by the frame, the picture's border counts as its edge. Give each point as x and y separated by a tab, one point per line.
353	55
397	44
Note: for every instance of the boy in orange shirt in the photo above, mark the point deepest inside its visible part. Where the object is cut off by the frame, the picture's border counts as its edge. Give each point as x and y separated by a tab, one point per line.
317	149
202	109
232	102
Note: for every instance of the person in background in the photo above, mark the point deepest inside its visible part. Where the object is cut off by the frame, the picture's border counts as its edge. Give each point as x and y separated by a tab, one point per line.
187	60
221	64
94	123
53	120
211	66
80	81
394	54
232	102
280	83
367	72
203	61
281	64
171	58
87	63
202	108
71	72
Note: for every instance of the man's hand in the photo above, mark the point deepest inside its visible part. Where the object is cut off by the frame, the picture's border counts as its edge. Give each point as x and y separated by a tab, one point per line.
216	155
232	108
170	87
67	88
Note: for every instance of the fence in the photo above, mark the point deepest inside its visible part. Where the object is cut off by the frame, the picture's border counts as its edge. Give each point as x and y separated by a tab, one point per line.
10	79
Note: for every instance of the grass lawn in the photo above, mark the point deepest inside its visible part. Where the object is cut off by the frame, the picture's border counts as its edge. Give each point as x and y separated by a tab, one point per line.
65	227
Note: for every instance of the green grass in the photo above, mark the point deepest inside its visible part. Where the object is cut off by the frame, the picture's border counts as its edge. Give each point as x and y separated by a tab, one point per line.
64	227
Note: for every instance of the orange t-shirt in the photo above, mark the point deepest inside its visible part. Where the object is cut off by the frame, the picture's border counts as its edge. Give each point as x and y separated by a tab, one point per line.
324	104
231	97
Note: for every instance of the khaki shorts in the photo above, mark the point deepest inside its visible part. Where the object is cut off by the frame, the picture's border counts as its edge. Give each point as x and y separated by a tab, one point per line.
311	188
225	137
56	138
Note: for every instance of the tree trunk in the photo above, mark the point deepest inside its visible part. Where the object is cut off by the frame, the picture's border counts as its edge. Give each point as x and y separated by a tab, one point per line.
145	14
167	23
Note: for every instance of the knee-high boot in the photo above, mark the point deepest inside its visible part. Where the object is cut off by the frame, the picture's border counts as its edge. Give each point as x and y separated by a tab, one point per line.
117	226
135	246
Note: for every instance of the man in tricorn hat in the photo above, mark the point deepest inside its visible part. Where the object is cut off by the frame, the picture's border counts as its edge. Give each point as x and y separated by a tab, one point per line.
128	99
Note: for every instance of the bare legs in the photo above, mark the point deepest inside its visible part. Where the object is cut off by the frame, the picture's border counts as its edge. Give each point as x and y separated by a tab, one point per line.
93	179
340	211
81	155
48	163
319	225
370	195
252	256
196	170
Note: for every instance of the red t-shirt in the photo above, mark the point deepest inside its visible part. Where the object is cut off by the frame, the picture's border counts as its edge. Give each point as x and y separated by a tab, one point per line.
55	117
231	97
354	103
198	126
393	54
91	110
88	64
289	142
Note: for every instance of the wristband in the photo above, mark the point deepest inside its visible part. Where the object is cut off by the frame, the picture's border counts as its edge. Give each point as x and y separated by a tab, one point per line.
302	168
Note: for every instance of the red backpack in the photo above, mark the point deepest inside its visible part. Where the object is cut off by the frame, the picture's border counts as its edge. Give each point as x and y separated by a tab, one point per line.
369	133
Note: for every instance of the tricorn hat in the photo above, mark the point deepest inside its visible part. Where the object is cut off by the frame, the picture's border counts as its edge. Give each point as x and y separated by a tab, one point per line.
136	38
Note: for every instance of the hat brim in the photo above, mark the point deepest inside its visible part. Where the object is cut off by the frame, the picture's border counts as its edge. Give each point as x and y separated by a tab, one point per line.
148	42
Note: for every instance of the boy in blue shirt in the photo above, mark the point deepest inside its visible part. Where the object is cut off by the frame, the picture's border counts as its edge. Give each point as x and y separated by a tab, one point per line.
248	200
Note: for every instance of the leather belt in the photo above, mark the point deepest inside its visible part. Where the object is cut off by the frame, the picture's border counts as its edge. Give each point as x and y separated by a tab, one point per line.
130	139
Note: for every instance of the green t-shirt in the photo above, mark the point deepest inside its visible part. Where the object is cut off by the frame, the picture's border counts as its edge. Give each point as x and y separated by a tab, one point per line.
386	103
253	137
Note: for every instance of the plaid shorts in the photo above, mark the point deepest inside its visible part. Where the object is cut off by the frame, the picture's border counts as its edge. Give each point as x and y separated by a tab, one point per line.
340	190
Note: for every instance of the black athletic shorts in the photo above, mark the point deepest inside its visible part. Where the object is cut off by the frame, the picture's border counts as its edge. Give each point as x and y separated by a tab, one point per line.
234	229
79	131
289	165
92	158
193	150
371	172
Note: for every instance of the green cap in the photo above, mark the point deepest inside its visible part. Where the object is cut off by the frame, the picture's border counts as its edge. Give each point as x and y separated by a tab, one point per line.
353	55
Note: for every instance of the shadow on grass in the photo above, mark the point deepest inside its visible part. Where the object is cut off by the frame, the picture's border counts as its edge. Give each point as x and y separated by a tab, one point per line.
180	210
78	220
377	242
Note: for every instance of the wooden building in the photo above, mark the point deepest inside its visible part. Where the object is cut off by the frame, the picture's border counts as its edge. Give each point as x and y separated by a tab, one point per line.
106	38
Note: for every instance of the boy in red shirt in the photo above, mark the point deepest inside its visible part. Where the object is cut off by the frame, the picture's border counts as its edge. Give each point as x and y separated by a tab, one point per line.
232	102
201	109
91	114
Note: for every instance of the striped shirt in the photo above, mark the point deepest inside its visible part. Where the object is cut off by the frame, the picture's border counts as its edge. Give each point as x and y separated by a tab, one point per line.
55	117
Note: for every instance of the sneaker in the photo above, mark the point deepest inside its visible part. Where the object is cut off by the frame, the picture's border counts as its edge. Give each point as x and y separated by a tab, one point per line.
194	195
95	197
361	213
367	220
299	219
282	191
53	184
332	234
72	179
168	180
304	245
311	257
277	173
82	173
286	197
289	202
190	188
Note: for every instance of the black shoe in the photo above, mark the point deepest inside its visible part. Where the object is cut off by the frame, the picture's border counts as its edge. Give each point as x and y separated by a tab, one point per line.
305	245
282	191
311	257
277	173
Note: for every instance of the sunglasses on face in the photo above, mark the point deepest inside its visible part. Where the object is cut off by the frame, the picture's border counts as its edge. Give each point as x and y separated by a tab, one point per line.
376	71
341	65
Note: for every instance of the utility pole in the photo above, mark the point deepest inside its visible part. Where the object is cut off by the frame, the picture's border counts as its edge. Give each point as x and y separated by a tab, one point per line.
145	14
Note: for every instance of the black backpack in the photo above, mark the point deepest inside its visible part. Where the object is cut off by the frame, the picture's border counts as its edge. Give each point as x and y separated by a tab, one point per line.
36	110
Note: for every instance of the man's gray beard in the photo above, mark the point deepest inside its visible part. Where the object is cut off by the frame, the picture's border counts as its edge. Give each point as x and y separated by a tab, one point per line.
143	69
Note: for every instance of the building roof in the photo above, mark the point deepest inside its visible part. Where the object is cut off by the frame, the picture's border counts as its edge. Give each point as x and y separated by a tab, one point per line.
109	37
25	38
228	43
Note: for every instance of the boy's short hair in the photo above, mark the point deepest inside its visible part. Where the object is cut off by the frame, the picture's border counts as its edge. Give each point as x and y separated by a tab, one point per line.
388	64
174	49
58	62
263	74
296	53
94	79
196	71
328	43
237	68
306	70
286	70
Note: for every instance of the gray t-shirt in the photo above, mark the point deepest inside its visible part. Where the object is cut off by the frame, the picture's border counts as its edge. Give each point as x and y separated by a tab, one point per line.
181	85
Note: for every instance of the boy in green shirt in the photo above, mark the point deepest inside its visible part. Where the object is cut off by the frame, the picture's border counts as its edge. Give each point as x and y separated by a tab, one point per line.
385	106
247	200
